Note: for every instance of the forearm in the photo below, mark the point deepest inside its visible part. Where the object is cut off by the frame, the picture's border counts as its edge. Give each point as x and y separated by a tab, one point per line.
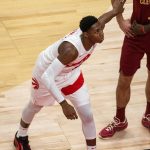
119	17
106	17
48	79
52	88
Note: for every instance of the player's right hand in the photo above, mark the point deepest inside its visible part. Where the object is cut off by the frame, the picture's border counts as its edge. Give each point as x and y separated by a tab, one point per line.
125	26
118	6
68	110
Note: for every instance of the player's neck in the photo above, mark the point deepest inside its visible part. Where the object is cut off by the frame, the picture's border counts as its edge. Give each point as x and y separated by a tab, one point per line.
86	43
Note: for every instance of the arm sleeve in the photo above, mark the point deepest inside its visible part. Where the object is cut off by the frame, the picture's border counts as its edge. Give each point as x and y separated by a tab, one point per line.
48	79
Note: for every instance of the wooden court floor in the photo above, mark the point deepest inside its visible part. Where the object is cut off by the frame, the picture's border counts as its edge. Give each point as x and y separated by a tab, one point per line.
26	28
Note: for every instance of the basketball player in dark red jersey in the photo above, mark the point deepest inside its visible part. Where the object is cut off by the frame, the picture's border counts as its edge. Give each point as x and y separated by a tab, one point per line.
136	44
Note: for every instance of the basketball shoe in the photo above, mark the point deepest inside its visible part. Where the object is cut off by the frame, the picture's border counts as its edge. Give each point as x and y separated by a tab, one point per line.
146	121
115	125
21	143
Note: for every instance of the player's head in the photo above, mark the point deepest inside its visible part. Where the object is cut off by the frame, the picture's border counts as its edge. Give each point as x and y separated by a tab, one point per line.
91	28
87	22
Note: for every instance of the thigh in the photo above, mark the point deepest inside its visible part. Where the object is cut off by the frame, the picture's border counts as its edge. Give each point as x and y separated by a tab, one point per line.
131	56
40	95
80	97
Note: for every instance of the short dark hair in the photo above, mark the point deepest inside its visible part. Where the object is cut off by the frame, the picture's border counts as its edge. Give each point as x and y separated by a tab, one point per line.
87	22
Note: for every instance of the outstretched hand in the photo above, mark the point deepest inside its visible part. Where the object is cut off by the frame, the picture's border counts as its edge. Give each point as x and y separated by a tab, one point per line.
118	6
68	110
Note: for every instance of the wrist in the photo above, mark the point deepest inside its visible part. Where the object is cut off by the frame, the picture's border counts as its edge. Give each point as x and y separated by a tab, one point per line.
63	102
119	18
114	12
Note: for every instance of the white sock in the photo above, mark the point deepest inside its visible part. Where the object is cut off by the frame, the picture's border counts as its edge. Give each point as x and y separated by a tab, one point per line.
22	131
91	147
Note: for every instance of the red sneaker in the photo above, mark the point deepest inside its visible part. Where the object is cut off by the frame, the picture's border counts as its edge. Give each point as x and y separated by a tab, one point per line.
114	126
146	121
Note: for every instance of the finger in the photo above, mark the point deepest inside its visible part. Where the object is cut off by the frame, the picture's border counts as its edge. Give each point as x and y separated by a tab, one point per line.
135	22
133	25
128	34
130	31
76	116
71	117
123	1
67	116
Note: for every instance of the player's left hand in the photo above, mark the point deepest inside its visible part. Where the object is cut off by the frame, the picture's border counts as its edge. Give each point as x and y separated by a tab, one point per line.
68	110
138	29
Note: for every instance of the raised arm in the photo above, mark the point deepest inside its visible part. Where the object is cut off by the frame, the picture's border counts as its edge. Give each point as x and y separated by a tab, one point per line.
119	16
117	9
124	24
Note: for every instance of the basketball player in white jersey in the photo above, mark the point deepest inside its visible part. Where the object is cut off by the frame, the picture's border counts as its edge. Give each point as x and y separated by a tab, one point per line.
57	77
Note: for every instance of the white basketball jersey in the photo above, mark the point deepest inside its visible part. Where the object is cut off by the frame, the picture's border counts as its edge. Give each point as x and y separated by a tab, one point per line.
50	53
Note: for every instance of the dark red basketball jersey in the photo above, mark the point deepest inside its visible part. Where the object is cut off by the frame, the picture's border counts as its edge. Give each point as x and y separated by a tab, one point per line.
141	11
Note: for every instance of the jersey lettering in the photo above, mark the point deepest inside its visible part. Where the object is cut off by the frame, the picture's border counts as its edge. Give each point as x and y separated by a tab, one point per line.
145	2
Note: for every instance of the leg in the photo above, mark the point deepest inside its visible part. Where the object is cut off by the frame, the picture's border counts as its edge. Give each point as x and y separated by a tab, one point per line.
122	95
21	141
88	125
147	88
27	116
81	101
146	116
122	98
131	56
123	90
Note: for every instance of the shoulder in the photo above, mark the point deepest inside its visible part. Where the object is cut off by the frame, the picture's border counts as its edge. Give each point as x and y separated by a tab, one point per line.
67	48
74	38
67	52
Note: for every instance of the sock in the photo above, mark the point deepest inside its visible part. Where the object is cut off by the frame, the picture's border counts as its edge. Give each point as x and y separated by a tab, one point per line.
120	114
147	108
22	131
91	147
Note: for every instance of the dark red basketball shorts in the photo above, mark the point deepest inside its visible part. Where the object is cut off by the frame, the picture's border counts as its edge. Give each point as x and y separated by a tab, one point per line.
133	51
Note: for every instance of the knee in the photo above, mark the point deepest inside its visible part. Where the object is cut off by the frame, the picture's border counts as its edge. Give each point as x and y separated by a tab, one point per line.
88	118
85	113
32	108
124	82
123	85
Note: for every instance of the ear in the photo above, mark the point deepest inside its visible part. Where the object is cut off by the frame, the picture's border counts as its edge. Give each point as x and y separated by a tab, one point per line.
85	34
